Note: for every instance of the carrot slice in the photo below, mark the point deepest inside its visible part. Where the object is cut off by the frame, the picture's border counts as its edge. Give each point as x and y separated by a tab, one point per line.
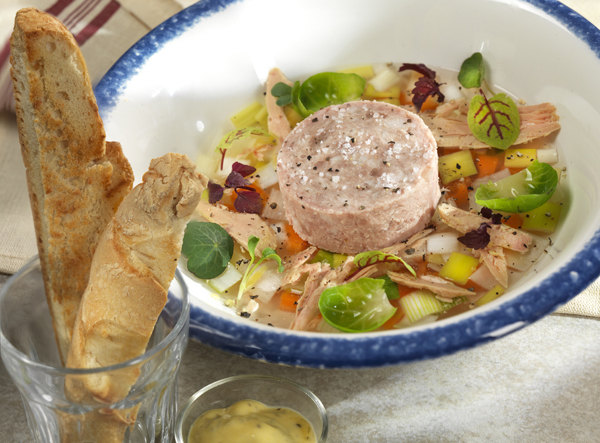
294	243
288	301
398	315
459	191
486	164
514	221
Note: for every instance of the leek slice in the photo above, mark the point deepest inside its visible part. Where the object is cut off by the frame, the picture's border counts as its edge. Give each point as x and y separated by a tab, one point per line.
226	280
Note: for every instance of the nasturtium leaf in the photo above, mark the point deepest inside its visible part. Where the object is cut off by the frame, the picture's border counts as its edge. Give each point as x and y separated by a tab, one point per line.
472	71
496	121
208	248
240	134
520	192
358	306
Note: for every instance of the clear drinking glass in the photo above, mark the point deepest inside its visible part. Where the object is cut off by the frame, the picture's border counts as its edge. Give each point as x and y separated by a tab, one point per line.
30	354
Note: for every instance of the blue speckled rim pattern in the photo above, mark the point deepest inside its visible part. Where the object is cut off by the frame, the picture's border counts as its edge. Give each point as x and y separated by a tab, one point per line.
369	350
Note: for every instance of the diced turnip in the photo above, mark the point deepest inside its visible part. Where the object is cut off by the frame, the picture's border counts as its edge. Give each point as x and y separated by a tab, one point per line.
385	79
443	243
548	155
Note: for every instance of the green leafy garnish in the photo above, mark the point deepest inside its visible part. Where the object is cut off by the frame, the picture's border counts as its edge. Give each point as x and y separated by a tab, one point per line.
472	71
284	92
358	306
369	258
208	248
239	134
267	253
496	121
390	287
319	91
521	192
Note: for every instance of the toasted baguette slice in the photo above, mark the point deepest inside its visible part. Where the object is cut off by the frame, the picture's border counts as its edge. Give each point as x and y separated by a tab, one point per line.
133	267
76	181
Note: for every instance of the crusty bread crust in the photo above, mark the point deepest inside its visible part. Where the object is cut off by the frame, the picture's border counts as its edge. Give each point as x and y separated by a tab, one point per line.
76	181
132	269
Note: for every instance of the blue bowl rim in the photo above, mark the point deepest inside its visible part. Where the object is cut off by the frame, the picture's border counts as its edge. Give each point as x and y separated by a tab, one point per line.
370	349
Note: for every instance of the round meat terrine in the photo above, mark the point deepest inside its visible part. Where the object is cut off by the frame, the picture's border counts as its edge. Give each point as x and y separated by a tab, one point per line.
359	176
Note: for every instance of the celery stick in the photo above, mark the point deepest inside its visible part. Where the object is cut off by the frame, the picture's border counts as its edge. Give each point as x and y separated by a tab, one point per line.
262	117
543	219
247	116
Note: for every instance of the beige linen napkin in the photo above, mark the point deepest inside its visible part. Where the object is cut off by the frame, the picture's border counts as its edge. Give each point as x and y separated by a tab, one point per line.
114	27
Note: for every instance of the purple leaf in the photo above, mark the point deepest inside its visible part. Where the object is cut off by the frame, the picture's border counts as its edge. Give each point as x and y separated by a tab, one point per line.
477	238
215	192
248	201
420	68
425	87
495	218
235	180
242	169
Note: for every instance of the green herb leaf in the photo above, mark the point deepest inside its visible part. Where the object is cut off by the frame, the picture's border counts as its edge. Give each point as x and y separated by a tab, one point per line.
284	92
239	134
472	71
358	306
390	287
326	89
521	192
496	121
208	248
369	258
267	254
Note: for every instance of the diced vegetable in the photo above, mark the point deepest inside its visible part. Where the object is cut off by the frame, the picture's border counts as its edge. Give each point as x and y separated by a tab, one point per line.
338	259
323	256
294	242
288	301
459	268
486	164
247	116
436	259
226	280
266	176
543	219
520	192
443	243
456	165
385	79
292	116
394	319
519	158
418	304
459	191
547	155
491	295
207	164
365	71
373	94
513	220
267	282
484	278
358	306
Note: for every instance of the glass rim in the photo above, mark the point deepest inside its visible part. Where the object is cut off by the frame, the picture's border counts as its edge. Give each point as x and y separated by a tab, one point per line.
7	346
179	438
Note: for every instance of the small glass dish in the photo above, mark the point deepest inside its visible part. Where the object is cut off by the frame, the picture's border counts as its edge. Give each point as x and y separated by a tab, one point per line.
271	391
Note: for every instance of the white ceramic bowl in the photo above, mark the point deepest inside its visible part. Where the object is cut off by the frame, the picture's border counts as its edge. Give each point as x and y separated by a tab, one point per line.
175	88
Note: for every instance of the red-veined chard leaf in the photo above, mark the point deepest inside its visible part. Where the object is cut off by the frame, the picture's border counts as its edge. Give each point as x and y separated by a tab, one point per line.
369	258
240	134
472	71
496	121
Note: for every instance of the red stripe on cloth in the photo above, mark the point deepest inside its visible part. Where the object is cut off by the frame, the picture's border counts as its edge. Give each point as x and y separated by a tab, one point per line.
97	22
79	13
58	7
